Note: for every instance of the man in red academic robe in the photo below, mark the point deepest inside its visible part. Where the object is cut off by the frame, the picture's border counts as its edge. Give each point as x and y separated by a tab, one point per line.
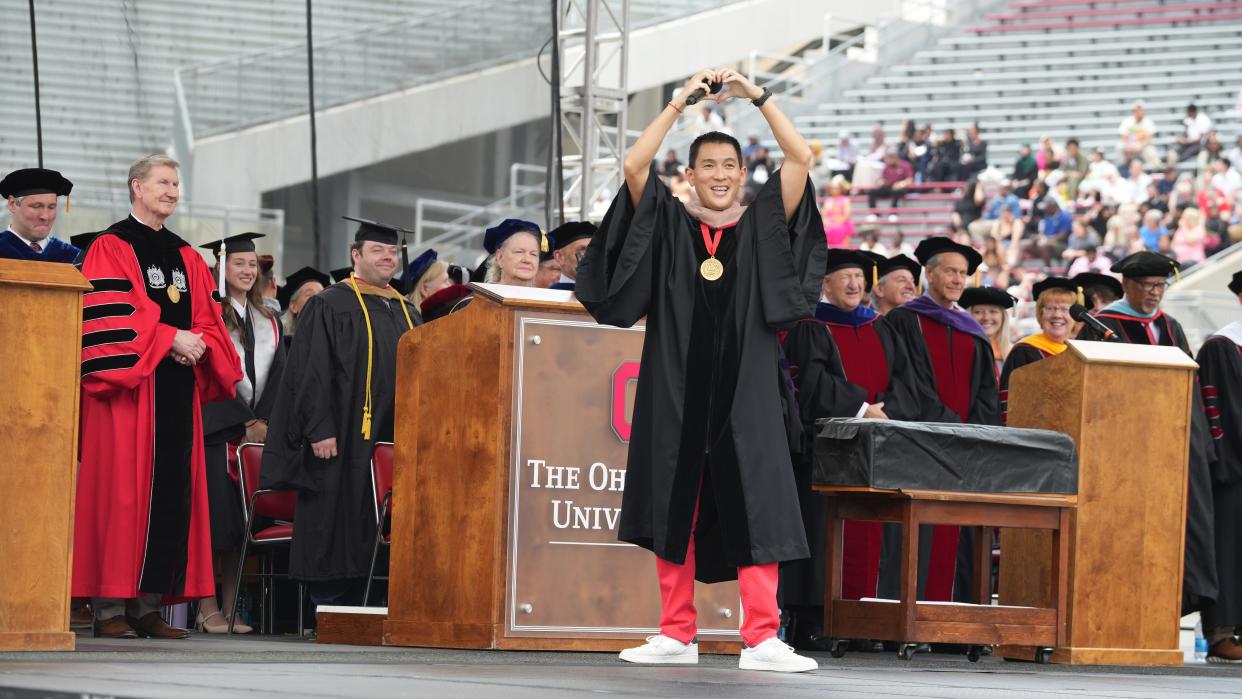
154	348
952	355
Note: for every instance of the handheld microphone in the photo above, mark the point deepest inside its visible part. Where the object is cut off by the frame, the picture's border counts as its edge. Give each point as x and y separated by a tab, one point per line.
699	94
1079	313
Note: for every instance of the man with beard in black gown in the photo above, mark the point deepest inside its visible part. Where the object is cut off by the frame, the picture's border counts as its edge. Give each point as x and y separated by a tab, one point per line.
845	362
335	402
1138	319
710	483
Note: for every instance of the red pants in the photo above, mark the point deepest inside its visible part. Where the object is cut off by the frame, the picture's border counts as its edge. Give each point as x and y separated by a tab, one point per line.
761	617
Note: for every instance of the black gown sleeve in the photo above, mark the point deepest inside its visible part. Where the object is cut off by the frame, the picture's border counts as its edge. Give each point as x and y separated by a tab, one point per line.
791	255
1019	356
902	400
822	389
909	336
985	410
616	274
1220	383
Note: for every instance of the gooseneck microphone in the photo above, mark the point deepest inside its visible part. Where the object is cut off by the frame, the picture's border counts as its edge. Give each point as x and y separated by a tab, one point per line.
1079	313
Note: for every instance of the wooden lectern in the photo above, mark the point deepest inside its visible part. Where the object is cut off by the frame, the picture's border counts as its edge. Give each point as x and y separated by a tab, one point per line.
41	323
1128	534
512	423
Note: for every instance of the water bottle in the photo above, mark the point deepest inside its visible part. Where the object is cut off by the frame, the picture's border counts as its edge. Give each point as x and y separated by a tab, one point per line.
1201	644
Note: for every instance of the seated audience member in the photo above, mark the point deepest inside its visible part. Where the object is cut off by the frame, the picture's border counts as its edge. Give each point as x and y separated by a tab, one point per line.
1049	156
847	155
1025	172
427	274
895	180
1003	201
1054	231
32	196
298	289
1053	298
515	247
975	157
1091	260
836	212
256	335
1102	174
1137	132
1153	230
1211	151
1081	240
1194	130
1189	241
969	207
946	163
671	165
871	239
990	307
1131	189
1074	168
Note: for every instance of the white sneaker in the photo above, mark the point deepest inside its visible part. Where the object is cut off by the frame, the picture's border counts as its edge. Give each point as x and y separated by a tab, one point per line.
662	650
774	656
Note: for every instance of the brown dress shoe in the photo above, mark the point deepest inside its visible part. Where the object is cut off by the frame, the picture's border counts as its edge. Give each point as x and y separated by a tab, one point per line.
81	616
1226	650
116	627
153	626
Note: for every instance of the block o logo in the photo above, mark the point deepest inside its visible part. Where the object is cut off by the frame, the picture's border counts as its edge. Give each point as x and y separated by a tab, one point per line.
621	378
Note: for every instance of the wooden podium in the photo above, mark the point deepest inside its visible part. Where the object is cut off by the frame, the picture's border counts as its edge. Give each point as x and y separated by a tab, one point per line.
1127	408
41	323
512	423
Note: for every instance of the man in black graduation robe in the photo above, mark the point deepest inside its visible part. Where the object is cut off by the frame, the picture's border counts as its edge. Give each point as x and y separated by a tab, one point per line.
713	410
335	402
1220	381
952	356
845	362
1138	319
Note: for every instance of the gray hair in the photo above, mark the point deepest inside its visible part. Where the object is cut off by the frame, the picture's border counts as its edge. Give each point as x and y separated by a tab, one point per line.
493	272
934	261
143	166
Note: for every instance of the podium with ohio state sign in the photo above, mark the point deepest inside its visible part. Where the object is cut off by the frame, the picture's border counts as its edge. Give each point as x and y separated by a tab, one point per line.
512	430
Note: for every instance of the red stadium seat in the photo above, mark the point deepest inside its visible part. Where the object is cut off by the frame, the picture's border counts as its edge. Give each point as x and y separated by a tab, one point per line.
261	508
381	487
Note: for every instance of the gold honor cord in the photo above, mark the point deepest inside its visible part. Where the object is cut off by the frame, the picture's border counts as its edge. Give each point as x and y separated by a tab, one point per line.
366	405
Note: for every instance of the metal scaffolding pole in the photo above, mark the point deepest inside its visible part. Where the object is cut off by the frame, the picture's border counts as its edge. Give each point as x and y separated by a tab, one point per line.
593	38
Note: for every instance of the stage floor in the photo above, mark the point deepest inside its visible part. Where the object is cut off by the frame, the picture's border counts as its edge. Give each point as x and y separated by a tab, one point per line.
212	666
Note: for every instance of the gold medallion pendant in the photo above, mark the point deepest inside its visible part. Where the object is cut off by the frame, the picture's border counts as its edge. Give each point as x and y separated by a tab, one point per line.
711	269
174	295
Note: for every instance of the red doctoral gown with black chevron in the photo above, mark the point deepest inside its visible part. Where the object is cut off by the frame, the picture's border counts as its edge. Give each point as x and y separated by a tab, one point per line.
142	524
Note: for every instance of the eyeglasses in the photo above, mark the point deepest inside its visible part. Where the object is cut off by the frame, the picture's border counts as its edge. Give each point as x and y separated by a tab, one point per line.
1053	310
1152	287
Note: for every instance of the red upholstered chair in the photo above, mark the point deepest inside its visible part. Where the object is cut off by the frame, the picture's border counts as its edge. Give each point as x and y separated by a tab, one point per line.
269	524
381	487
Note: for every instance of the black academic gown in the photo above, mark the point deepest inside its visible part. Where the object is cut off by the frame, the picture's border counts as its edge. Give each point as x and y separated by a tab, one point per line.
821	374
321	395
713	405
1199	577
1220	380
224	423
984	409
1019	356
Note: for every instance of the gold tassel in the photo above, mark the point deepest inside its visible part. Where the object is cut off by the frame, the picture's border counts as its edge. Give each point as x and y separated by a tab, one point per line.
366	423
978	277
875	274
68	206
543	242
1082	301
1177	274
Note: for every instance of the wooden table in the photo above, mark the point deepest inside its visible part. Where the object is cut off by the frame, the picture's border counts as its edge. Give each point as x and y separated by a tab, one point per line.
909	621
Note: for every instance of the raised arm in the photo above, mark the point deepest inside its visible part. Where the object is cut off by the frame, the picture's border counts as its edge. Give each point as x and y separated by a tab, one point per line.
637	163
797	154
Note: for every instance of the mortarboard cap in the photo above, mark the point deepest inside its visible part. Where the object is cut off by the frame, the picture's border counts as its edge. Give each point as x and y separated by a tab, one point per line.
1235	284
1145	264
242	242
341	273
986	296
938	245
498	234
901	262
570	231
419	266
34	180
1086	280
295	281
840	258
1054	283
375	231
